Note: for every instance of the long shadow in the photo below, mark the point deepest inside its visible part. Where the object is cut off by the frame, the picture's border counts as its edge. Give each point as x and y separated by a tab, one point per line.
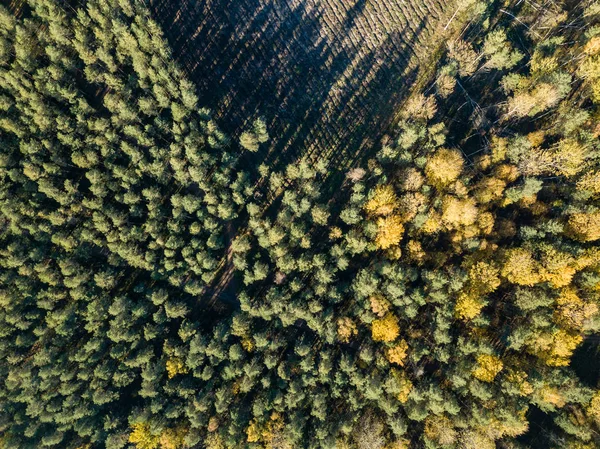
327	84
586	363
329	87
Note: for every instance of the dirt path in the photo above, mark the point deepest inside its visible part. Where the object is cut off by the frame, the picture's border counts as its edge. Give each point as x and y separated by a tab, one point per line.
225	287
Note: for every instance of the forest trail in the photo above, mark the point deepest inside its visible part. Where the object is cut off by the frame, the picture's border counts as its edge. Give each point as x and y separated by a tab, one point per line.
224	288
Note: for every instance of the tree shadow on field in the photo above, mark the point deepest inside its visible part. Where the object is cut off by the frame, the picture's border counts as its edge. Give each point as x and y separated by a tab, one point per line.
326	87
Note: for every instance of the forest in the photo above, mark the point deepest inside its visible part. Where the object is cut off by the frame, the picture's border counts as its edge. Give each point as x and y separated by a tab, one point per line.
404	254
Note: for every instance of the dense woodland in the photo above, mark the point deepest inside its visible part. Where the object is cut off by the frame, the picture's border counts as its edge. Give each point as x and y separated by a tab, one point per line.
162	288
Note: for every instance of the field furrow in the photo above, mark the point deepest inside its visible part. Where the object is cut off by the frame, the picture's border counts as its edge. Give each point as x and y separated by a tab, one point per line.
327	75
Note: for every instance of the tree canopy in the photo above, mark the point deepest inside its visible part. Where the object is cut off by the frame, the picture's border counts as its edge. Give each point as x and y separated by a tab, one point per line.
159	291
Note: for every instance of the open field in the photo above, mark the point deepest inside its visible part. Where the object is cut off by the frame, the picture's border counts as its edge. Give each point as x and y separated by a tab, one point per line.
328	75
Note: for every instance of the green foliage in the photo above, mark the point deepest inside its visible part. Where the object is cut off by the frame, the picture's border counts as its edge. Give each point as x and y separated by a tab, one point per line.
251	140
430	299
498	51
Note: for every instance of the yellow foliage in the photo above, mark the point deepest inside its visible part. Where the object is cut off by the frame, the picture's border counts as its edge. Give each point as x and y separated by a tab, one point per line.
445	84
343	443
173	438
556	348
402	443
572	311
507	172
593	409
579	445
593	46
444	167
248	344
536	138
464	54
394	253
589	68
471	439
569	158
519	378
272	434
485	222
142	437
468	307
175	366
537	99
386	328
543	64
412	180
537	162
483	162
589	258
558	267
460	189
550	396
346	329
253	432
405	386
433	224
590	182
585	226
490	189
409	205
383	202
521	268
488	366
389	231
484	277
440	430
420	106
596	90
498	147
335	233
459	212
268	433
415	250
397	353
214	441
379	305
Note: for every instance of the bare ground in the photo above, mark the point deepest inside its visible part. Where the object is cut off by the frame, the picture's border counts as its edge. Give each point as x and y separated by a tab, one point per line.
328	75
